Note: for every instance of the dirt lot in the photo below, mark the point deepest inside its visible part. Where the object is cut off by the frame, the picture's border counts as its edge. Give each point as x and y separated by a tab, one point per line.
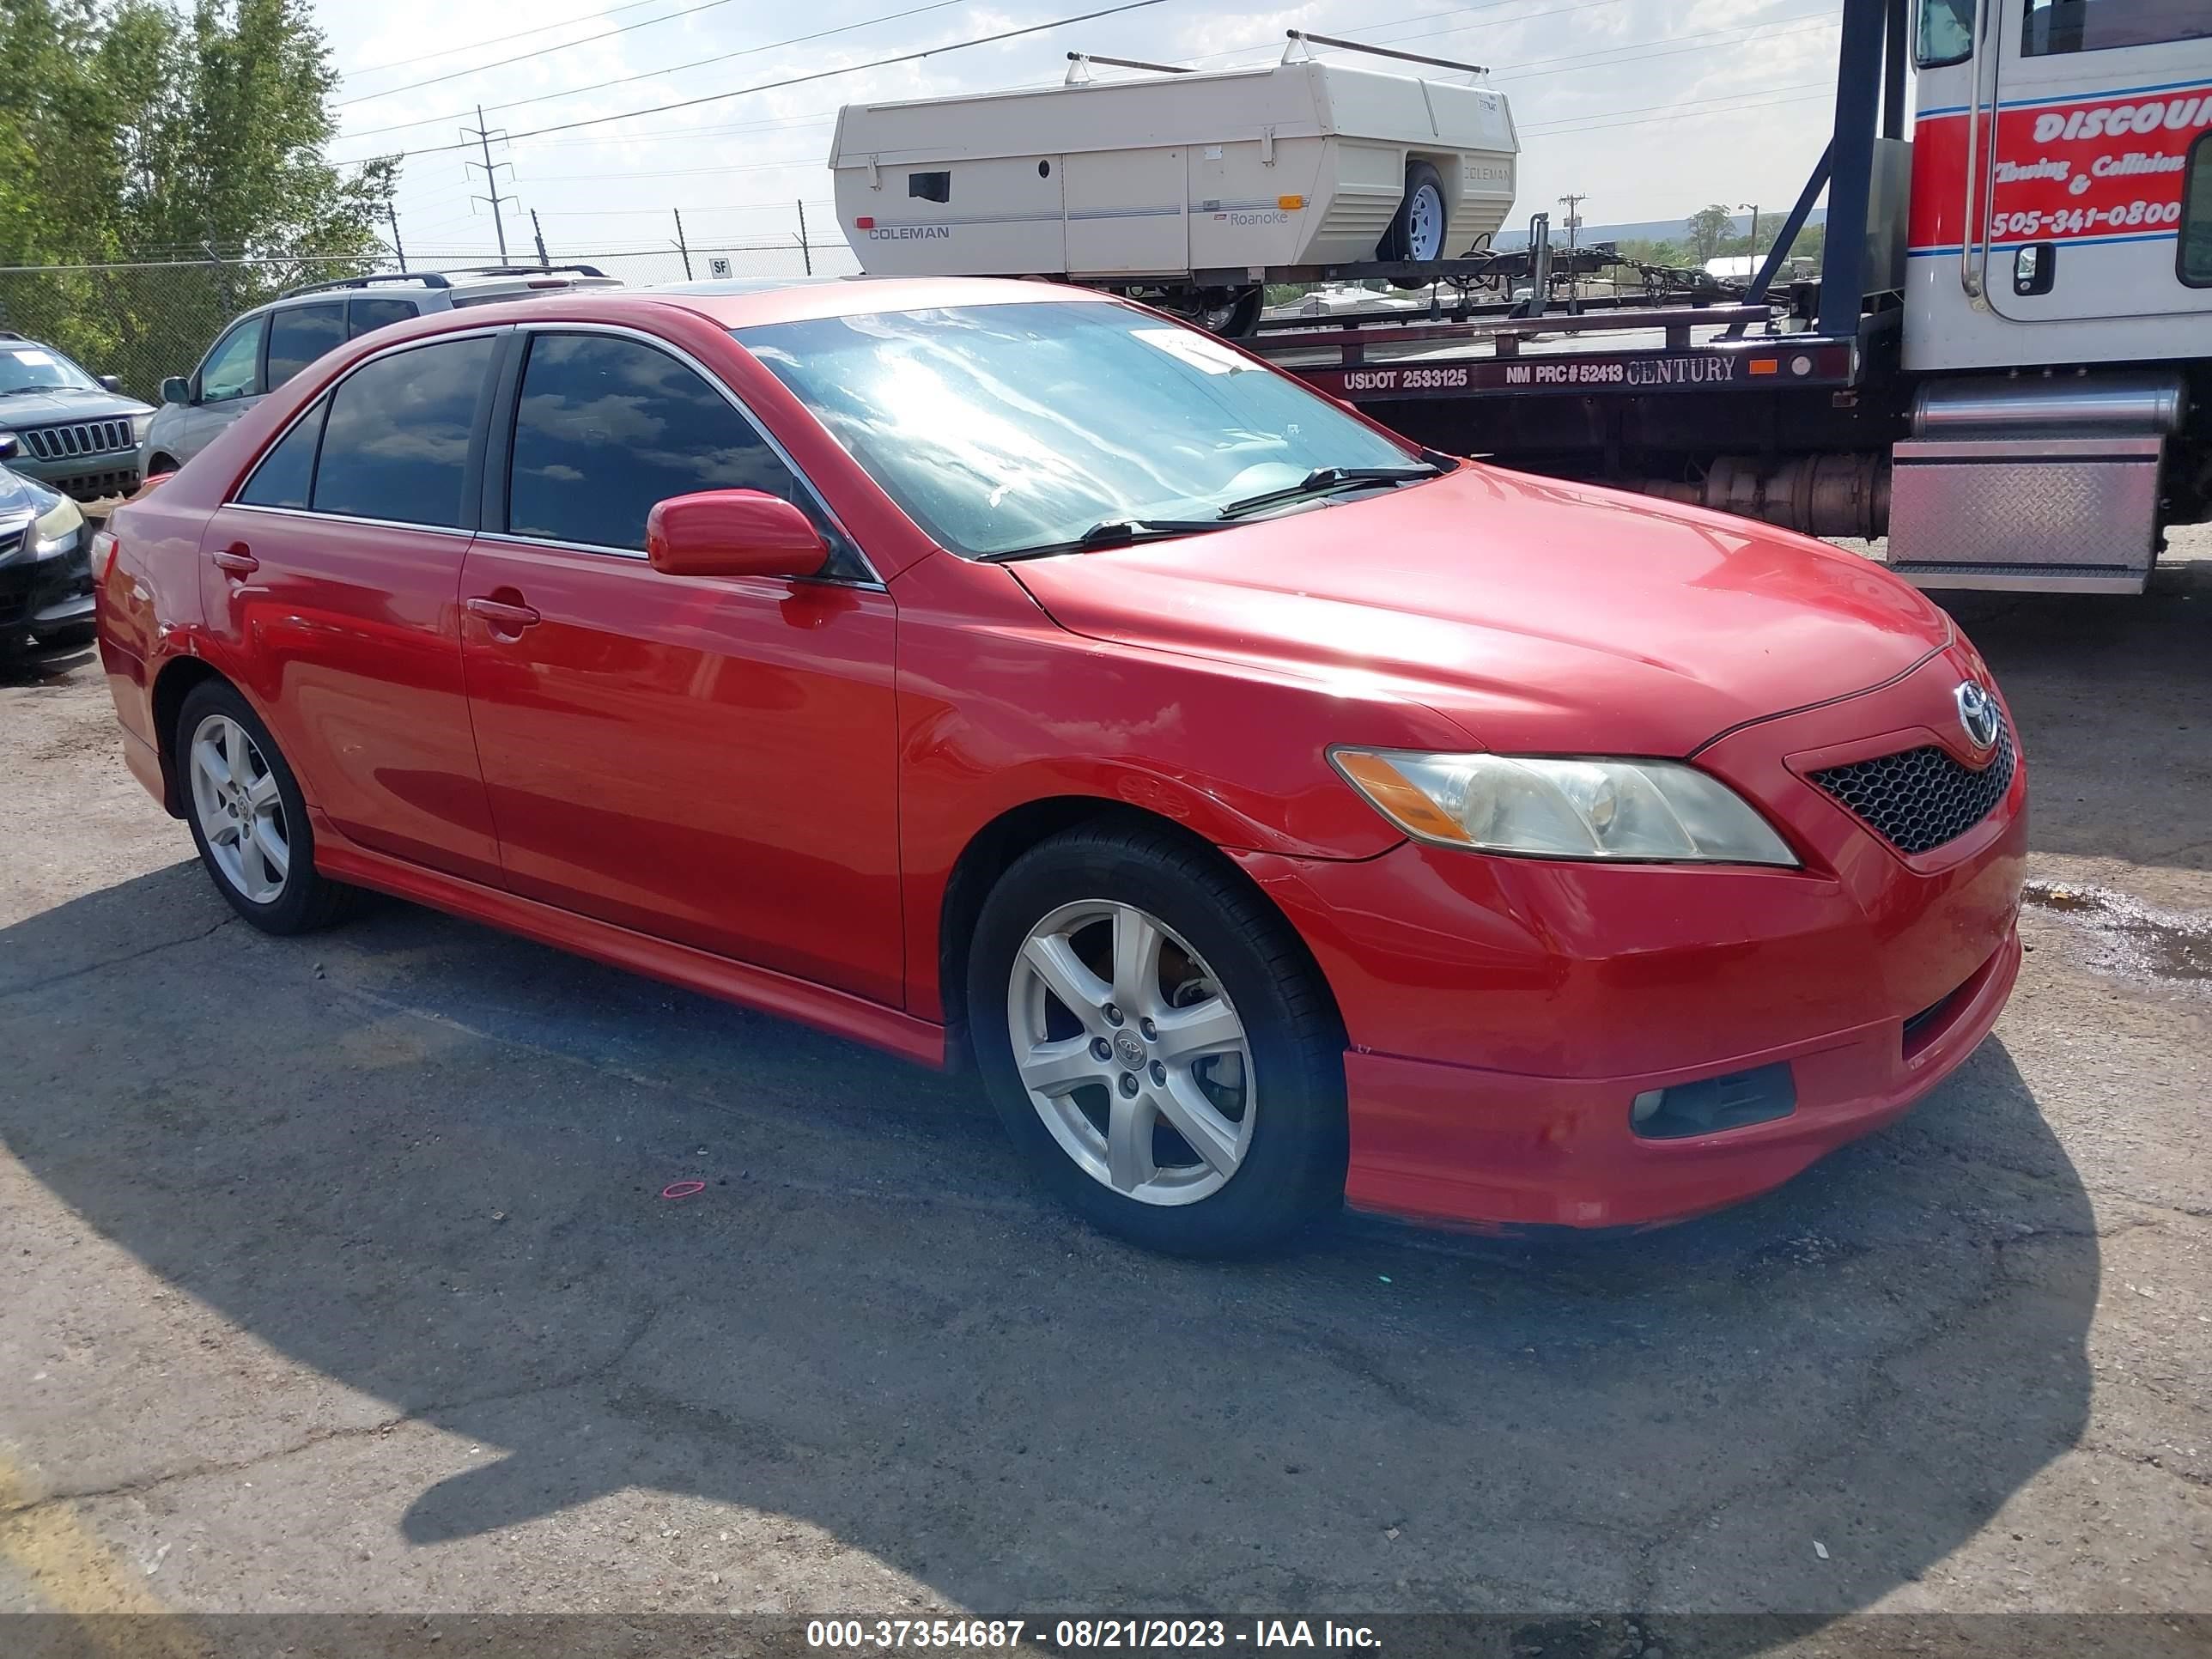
336	1277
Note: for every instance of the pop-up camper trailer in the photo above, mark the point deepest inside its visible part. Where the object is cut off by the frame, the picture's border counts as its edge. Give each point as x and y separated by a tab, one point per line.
1182	179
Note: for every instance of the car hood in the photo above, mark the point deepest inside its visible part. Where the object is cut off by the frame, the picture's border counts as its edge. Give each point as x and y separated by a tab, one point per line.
20	496
71	404
1538	616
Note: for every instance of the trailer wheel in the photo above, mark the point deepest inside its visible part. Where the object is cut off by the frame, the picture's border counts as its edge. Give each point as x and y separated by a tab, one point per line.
1418	231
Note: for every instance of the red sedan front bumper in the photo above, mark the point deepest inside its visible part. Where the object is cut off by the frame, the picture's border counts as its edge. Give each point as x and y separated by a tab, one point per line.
1503	1014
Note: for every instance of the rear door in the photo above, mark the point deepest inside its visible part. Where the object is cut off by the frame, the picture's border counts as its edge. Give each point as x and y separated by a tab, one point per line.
300	334
332	577
710	760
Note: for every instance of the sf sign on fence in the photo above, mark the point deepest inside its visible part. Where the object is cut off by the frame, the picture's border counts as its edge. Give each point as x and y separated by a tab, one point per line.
717	267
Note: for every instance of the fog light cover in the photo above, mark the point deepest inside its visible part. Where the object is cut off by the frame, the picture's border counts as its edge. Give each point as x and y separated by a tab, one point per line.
1714	1103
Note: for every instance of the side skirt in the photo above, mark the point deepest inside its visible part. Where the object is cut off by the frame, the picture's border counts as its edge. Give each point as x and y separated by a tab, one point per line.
837	1012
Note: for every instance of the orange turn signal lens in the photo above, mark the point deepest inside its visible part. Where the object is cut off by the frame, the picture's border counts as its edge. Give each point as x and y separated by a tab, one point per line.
1290	203
1401	801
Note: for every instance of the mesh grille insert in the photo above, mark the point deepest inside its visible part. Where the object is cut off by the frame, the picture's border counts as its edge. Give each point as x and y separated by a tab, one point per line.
1920	798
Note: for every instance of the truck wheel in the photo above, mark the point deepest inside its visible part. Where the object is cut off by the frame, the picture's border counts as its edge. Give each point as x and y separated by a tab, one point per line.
1418	231
1160	1050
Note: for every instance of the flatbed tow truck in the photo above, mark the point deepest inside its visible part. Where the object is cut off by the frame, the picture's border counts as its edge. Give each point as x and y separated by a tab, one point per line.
2003	367
2007	375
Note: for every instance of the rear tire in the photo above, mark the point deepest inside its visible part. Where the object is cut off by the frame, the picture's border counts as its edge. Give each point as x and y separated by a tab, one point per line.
249	819
1419	230
1186	1092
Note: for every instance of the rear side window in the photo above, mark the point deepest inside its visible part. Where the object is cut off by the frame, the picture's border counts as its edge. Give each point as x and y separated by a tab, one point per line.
232	369
288	471
298	336
364	314
2052	27
2194	260
396	443
607	427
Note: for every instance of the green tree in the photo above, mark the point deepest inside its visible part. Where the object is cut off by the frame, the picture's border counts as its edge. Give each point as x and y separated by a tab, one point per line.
134	131
1708	229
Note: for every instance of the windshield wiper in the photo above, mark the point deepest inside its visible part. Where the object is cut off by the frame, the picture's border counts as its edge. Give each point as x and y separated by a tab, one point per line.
57	387
1109	532
1323	480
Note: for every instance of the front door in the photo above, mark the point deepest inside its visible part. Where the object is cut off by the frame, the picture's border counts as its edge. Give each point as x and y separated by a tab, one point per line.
2100	106
709	760
335	574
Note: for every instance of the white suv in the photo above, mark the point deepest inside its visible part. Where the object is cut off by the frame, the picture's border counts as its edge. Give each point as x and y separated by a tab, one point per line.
270	344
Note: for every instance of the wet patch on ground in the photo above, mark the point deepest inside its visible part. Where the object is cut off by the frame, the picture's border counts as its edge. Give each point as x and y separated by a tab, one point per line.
2120	935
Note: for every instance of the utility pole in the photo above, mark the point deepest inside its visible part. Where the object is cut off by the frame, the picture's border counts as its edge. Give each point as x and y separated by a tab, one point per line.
1574	222
483	137
398	252
544	263
680	246
1754	206
805	251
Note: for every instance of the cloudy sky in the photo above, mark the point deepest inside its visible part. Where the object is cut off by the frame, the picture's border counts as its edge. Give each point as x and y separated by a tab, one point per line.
1650	108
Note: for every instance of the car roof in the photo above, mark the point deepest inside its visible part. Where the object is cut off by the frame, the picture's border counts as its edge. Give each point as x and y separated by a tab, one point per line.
745	304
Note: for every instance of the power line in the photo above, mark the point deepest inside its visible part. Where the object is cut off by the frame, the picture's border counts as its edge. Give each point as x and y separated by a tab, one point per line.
673	69
796	79
1529	70
499	40
501	63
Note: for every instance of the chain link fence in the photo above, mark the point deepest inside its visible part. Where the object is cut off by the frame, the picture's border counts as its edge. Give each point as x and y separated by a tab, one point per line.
141	322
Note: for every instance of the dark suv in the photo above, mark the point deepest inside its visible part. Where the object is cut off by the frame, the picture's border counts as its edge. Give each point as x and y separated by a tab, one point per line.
75	431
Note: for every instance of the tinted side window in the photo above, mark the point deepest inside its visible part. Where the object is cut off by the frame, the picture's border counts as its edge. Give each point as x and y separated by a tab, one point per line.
396	445
2194	258
2064	26
298	336
232	369
286	472
608	427
364	314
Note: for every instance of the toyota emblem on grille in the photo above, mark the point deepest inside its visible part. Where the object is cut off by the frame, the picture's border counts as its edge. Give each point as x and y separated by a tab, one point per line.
1978	713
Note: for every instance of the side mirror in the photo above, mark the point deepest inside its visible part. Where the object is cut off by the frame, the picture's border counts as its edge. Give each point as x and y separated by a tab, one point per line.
111	382
732	532
8	444
176	390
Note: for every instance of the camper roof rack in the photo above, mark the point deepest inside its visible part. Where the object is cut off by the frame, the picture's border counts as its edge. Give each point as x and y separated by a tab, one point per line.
1296	35
1079	62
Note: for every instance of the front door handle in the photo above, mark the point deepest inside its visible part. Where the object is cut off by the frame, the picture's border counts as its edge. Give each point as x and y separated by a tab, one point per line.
238	559
503	616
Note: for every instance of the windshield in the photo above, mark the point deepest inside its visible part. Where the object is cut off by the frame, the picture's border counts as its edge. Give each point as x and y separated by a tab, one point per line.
996	428
26	366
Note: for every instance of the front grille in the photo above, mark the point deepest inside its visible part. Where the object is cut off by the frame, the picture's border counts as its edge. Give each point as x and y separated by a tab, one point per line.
1920	798
63	443
97	486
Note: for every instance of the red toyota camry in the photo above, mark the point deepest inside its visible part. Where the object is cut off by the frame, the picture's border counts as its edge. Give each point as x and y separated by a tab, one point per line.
1275	813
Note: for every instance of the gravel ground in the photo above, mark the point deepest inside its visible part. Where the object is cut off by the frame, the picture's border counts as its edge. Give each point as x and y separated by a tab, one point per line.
337	1279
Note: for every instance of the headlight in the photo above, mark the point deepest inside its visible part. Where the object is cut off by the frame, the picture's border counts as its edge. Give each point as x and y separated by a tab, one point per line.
1650	810
59	530
141	425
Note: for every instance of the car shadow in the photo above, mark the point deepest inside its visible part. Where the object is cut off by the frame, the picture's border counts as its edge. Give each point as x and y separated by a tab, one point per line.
428	1161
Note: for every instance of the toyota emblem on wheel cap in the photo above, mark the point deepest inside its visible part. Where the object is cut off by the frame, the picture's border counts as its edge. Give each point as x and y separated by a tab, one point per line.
1978	713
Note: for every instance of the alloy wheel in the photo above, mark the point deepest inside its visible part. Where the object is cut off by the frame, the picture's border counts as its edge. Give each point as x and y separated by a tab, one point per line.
239	809
1131	1053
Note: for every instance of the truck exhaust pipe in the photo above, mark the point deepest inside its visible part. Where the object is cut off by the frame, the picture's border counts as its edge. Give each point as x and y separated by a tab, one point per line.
1845	496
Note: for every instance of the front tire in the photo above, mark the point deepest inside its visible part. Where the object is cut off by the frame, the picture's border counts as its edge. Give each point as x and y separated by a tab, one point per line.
1158	1045
249	819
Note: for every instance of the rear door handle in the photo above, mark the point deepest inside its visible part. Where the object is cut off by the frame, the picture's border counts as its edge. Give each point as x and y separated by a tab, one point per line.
238	559
502	616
